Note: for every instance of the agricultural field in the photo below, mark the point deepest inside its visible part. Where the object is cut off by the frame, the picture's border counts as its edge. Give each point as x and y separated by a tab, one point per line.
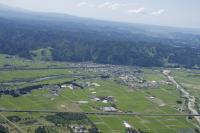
7	61
76	91
190	79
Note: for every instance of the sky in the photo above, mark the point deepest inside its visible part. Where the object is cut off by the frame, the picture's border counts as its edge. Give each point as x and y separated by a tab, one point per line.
177	13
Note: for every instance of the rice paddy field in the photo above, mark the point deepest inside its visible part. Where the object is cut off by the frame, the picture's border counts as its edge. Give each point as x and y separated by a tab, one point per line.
190	79
158	100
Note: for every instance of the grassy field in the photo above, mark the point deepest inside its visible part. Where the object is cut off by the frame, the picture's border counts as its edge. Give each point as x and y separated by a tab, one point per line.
126	99
153	75
30	74
190	79
14	61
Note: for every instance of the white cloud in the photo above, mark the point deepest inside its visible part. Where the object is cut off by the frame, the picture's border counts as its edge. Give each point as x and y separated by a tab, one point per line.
106	4
83	4
157	13
114	6
109	5
137	11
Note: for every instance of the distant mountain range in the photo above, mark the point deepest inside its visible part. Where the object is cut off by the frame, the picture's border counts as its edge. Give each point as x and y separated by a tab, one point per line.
68	38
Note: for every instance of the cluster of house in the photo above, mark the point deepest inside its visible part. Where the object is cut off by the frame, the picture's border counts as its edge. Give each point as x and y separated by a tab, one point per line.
109	109
92	84
103	99
125	76
76	128
134	81
88	65
53	88
70	86
80	85
79	129
129	128
134	78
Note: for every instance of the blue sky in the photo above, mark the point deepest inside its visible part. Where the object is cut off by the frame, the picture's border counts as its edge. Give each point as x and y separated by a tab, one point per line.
179	13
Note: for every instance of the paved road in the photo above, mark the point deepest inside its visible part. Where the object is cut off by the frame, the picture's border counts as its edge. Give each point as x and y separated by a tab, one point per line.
39	79
46	68
96	113
191	99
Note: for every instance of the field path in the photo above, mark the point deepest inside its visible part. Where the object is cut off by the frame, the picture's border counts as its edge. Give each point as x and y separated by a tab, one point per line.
12	124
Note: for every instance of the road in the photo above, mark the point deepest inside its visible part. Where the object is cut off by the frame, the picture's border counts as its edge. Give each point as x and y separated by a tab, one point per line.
95	113
191	99
47	68
12	124
39	79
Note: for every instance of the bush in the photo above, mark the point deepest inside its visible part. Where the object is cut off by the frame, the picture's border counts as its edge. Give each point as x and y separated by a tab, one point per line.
43	129
67	118
14	118
3	129
179	102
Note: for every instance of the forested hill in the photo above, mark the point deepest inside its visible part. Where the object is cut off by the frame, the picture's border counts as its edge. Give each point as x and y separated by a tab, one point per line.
68	38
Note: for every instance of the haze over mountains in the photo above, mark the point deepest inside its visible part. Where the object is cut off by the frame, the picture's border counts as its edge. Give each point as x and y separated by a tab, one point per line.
68	38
